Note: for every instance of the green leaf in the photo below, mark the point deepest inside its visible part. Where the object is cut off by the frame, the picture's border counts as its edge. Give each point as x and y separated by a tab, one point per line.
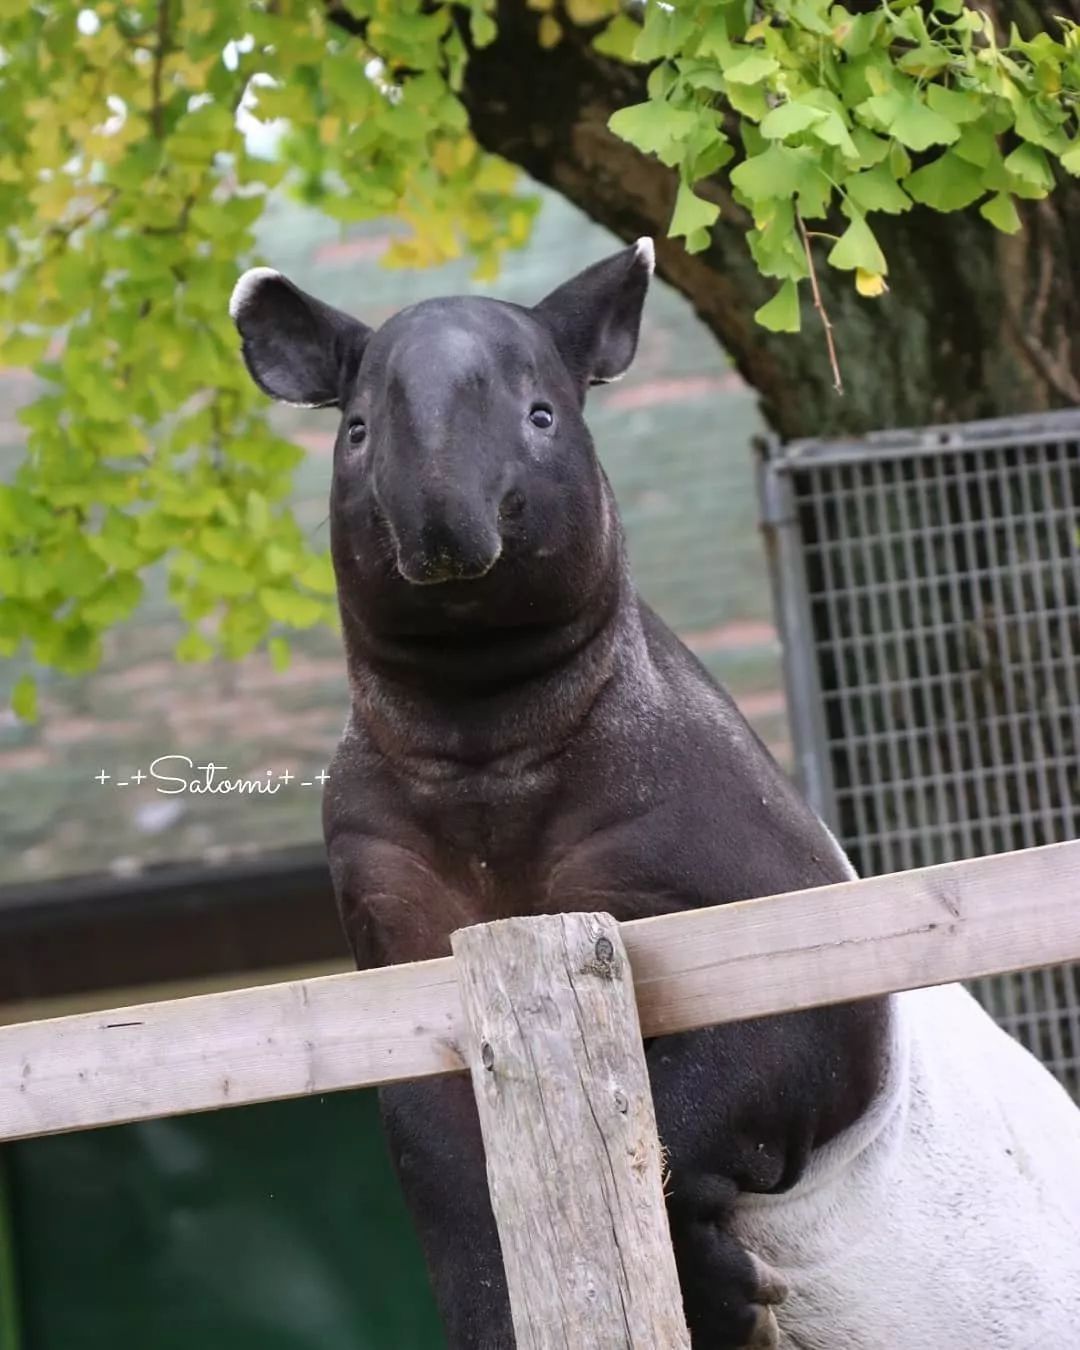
948	183
813	18
910	120
977	145
193	647
789	119
663	33
1070	160
481	27
23	349
834	132
225	580
618	38
115	599
752	69
779	172
316	572
957	105
749	100
857	248
781	313
653	127
291	607
926	60
899	161
775	245
1000	211
706	151
1032	125
280	655
1029	163
691	213
858	33
24	699
877	190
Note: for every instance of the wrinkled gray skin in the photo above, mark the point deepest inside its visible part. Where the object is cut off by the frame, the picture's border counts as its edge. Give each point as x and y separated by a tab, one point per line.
526	736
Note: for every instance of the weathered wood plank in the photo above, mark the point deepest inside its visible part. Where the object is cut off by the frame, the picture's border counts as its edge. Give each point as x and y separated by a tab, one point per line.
573	1159
1009	912
932	925
229	1049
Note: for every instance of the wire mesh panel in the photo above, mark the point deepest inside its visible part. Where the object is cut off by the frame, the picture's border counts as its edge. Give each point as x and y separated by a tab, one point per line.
928	589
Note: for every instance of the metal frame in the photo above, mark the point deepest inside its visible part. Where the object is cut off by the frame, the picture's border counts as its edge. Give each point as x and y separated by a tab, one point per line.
927	588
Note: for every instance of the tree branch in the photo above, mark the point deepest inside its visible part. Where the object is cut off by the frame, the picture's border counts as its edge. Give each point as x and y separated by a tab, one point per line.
838	383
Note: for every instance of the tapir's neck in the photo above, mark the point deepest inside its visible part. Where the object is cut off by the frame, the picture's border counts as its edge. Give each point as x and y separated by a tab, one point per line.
478	695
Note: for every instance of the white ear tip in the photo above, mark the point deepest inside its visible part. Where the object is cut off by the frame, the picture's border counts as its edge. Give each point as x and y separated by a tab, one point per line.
246	287
645	250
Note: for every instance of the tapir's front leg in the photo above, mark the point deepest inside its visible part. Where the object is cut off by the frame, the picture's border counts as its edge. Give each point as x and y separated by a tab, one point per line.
434	1136
740	1108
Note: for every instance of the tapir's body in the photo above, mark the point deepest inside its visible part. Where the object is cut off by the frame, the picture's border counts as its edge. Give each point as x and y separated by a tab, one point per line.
525	736
949	1216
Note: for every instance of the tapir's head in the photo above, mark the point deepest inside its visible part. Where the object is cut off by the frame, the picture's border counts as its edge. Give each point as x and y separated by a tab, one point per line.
462	456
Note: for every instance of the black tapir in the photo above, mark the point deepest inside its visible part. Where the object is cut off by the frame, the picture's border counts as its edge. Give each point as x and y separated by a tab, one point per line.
526	736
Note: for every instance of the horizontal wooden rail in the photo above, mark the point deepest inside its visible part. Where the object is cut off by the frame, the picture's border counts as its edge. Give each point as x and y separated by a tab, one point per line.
1010	911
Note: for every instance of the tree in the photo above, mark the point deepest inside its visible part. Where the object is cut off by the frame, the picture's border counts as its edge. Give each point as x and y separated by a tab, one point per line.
880	177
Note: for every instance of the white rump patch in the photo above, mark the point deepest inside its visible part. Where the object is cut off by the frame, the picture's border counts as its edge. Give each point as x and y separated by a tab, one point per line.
246	287
646	251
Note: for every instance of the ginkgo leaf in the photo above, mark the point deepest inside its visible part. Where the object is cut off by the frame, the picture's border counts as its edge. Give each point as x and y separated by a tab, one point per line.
870	284
858	249
781	313
1001	212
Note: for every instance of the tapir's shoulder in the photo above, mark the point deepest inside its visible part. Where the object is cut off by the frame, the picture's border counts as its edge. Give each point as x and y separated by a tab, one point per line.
677	795
677	666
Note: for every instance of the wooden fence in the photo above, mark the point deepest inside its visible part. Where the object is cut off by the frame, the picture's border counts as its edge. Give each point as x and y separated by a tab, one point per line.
579	1269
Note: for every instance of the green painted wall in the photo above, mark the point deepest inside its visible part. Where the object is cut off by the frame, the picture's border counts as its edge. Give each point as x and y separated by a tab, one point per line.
273	1227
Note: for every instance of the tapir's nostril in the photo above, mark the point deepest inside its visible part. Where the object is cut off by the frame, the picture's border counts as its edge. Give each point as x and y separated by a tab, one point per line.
512	505
445	552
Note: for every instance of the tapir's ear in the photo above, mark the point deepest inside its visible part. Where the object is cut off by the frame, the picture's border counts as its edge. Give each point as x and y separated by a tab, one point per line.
297	349
595	317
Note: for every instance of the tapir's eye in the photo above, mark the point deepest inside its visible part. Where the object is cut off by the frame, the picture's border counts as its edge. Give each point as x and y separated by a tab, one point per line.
540	415
357	431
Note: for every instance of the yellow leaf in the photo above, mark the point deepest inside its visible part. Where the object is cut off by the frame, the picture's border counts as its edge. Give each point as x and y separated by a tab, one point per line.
517	228
869	283
487	268
590	11
51	198
756	30
445	158
495	175
549	33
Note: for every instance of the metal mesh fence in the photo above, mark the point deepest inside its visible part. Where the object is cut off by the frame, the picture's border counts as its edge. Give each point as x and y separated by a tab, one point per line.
928	593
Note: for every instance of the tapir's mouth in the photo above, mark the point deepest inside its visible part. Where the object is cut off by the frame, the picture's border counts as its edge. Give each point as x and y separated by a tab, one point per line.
439	568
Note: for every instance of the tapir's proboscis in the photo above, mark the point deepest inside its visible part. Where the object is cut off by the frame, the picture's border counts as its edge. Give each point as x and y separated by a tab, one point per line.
526	737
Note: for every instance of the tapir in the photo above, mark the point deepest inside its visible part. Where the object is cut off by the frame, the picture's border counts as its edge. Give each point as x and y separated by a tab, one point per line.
526	736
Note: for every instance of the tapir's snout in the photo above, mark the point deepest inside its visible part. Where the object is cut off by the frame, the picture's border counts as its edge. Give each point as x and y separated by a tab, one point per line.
451	542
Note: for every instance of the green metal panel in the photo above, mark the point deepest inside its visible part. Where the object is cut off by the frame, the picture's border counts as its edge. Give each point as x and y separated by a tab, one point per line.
10	1331
274	1227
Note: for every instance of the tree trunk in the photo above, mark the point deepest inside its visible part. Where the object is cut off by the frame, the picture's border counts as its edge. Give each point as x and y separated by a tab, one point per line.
976	324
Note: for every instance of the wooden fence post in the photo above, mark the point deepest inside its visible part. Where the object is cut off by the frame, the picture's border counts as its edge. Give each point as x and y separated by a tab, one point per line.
573	1160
